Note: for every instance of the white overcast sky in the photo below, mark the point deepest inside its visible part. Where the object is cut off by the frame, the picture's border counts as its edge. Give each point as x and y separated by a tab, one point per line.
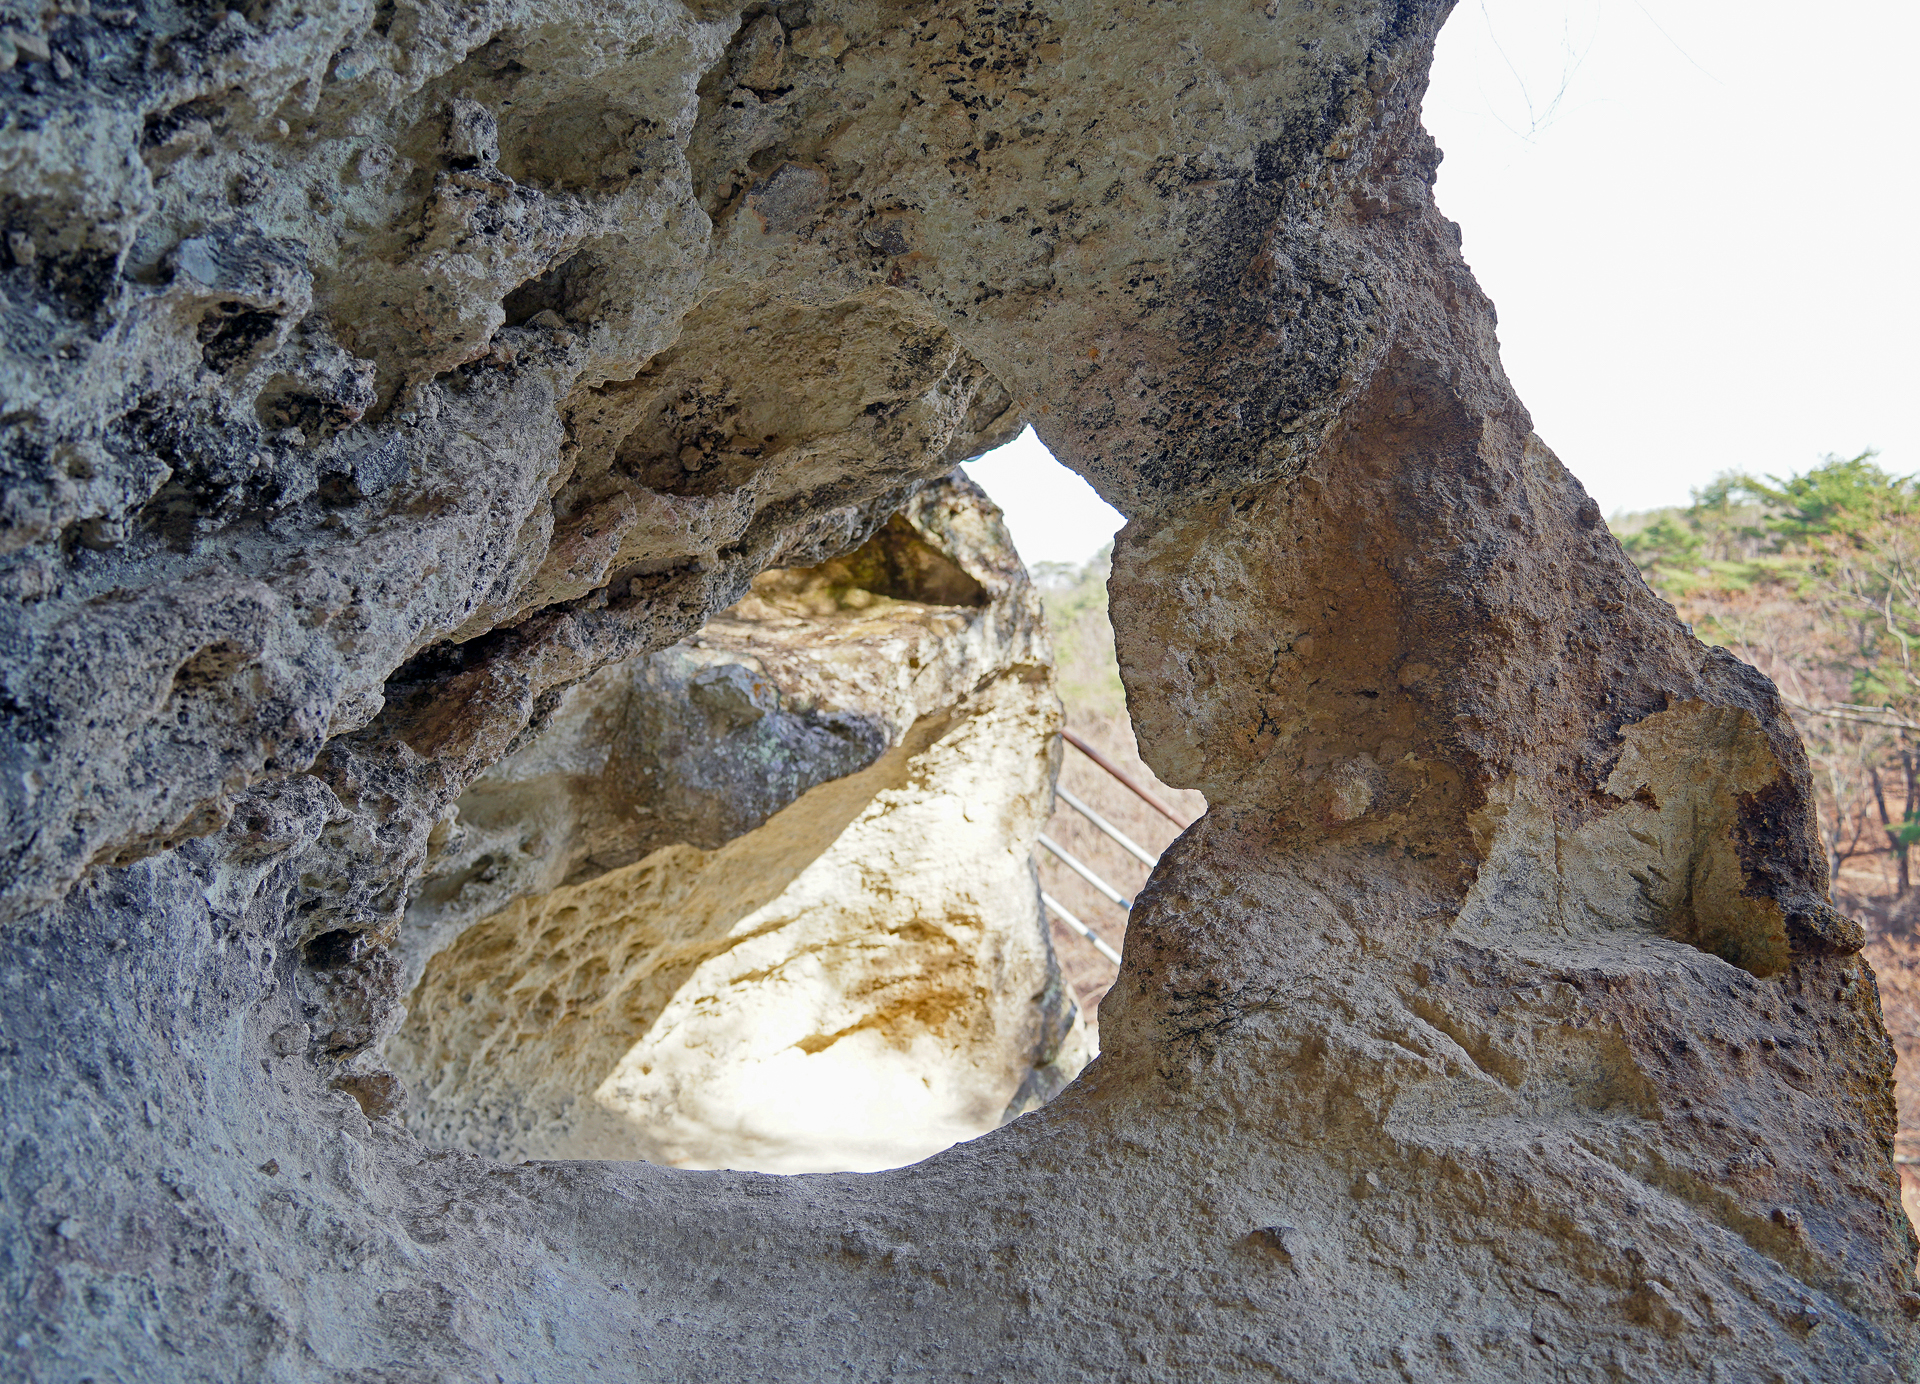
1697	221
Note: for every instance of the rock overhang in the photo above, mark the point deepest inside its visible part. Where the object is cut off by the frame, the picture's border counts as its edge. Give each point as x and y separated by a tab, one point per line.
376	376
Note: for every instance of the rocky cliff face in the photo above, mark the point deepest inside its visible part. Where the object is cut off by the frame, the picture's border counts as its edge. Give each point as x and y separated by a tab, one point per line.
763	899
375	374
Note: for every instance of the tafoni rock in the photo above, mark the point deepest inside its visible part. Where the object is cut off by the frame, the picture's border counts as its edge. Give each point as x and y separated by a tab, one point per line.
763	899
376	377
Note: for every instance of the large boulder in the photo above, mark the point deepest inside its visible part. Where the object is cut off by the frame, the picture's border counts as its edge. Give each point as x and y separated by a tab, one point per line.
375	374
763	899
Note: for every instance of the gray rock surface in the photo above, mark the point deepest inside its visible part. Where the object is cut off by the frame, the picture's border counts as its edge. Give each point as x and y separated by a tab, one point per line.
374	373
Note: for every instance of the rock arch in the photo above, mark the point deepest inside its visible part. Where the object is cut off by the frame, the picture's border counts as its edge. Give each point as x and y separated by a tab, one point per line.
355	413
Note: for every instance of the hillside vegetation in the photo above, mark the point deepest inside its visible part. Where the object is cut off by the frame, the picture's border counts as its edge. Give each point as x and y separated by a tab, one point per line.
1815	580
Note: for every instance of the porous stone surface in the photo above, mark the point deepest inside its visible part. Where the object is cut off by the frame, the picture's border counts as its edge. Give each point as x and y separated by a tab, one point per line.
764	899
373	374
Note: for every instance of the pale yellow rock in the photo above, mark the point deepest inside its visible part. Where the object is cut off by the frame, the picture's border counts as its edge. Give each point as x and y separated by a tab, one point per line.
858	982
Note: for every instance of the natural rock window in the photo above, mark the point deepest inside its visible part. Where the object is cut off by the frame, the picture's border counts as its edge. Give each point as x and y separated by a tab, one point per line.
762	899
412	410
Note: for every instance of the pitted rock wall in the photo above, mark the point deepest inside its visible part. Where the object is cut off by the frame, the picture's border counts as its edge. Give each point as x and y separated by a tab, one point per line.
375	373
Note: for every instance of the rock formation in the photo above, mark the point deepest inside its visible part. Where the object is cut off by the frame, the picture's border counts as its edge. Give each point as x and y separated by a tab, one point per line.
376	373
763	899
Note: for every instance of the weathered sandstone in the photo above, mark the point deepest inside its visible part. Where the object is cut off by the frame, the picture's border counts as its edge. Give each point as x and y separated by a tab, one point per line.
374	374
763	899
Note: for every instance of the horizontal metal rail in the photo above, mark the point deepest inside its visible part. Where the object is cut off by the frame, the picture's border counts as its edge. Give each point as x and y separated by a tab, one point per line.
1141	791
1051	902
1109	828
1088	875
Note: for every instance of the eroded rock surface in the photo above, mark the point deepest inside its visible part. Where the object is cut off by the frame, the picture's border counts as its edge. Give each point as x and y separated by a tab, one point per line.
376	373
763	899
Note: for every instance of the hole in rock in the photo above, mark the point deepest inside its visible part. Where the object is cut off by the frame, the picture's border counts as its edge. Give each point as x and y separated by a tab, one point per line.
230	331
1053	515
546	292
764	899
1065	531
575	144
332	950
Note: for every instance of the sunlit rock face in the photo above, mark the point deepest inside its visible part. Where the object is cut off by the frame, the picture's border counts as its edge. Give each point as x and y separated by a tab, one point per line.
768	900
376	376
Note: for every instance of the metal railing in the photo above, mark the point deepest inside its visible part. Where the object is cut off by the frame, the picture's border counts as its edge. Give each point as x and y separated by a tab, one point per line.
1101	824
1088	875
1109	828
1098	941
1144	794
